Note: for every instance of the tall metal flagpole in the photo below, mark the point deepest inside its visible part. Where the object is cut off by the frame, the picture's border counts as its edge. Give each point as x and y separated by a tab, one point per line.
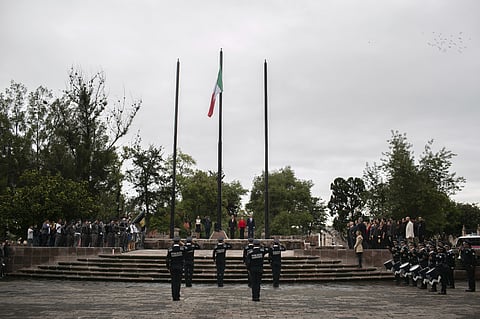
267	227
174	174
219	170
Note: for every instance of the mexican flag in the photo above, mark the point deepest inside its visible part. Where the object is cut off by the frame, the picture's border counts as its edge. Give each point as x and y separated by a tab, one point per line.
216	90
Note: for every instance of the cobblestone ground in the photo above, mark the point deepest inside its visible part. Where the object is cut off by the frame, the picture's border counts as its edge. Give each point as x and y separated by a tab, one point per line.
84	299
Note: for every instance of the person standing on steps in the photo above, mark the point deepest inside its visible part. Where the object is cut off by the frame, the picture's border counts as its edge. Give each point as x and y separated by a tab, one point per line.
175	263
359	248
275	259
219	256
247	250
255	264
189	253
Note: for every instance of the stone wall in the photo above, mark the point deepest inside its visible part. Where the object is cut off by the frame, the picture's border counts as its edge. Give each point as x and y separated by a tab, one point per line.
371	257
22	256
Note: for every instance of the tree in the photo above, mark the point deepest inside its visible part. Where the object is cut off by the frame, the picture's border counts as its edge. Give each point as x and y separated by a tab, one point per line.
199	196
399	187
148	177
346	201
290	202
39	197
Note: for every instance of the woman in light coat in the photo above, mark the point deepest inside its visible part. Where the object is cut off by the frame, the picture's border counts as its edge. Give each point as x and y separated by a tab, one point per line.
358	247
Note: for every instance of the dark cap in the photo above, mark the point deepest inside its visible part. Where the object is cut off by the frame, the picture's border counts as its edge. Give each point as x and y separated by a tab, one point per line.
250	240
276	241
189	239
220	239
256	242
176	239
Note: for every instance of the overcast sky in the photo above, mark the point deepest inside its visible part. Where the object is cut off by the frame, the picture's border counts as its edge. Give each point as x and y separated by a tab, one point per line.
342	75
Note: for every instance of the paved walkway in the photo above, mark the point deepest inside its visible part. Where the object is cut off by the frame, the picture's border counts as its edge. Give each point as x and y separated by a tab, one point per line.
85	299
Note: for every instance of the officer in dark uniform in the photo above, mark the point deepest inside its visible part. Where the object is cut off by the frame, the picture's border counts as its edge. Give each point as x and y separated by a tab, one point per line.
219	255
423	256
442	269
451	267
432	263
189	253
246	250
275	259
468	258
175	263
255	264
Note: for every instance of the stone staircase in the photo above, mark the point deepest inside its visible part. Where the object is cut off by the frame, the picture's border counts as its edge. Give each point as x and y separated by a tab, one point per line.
151	268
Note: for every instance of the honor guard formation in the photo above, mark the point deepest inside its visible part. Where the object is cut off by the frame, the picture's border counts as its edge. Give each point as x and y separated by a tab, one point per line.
180	261
427	265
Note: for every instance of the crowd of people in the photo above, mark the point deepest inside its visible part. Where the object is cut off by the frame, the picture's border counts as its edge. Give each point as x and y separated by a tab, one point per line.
180	260
237	228
121	233
380	233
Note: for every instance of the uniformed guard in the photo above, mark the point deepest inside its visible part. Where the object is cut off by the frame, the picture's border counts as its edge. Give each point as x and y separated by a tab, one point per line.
442	269
219	255
423	256
451	267
468	258
246	250
189	253
175	263
255	264
275	259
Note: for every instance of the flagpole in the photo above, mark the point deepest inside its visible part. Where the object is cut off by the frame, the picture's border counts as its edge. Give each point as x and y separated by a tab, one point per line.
267	227
219	170
174	174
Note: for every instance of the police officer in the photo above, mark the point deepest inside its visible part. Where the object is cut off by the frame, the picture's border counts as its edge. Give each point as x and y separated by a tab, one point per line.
451	267
275	259
175	263
246	250
469	261
255	264
442	269
189	253
219	255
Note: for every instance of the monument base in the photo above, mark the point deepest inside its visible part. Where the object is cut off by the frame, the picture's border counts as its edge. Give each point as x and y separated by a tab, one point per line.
218	234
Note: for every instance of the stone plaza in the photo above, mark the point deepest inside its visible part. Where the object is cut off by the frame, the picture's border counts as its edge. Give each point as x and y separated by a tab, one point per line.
360	299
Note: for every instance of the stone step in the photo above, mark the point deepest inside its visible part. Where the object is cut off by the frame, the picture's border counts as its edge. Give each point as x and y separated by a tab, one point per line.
150	267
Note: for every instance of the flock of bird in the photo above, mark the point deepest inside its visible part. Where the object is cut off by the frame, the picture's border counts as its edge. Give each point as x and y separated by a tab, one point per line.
445	43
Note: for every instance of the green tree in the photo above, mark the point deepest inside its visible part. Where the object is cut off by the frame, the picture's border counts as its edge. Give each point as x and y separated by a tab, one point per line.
148	177
401	188
290	201
39	197
346	201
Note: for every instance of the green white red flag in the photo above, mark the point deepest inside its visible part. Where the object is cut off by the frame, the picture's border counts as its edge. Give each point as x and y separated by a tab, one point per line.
216	90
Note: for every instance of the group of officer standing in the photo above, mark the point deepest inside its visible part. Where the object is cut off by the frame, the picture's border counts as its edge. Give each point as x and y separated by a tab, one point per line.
180	259
428	264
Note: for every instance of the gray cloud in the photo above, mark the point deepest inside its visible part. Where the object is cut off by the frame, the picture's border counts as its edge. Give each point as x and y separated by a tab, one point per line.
342	75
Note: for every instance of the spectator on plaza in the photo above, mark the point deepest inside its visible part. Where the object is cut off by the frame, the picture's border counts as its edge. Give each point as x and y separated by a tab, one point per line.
45	233
409	232
59	232
350	227
251	227
86	234
207	225
198	227
241	227
358	247
232	226
362	228
30	236
421	229
187	225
